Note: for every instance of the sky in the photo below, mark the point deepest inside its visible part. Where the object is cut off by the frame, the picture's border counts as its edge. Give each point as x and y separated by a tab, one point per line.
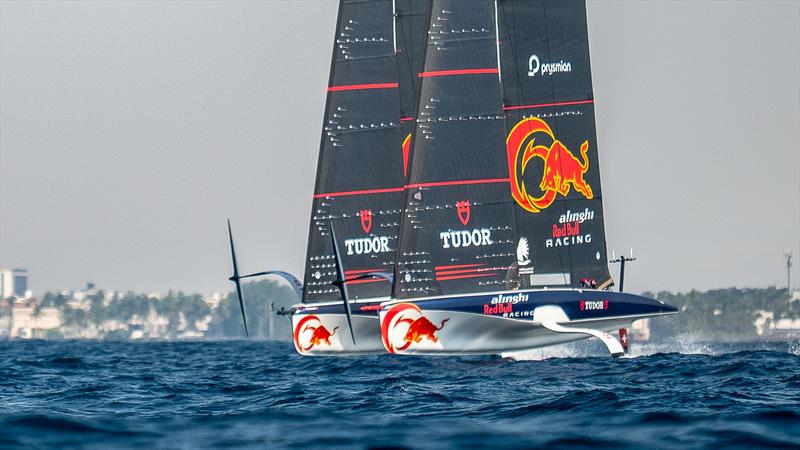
129	132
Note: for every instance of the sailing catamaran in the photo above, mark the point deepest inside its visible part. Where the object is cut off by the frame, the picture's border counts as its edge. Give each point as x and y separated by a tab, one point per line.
491	238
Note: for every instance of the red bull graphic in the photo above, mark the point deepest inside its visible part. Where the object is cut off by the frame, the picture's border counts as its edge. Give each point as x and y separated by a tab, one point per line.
463	210
366	219
310	333
562	170
406	151
404	325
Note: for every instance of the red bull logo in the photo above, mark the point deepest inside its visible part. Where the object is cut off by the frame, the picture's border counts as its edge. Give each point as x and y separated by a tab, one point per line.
463	210
404	325
366	219
310	333
562	170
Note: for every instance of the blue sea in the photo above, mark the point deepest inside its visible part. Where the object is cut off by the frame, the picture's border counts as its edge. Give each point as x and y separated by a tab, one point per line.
255	394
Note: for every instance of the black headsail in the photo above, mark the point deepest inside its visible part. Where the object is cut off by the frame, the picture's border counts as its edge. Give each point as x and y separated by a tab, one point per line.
552	143
494	201
360	172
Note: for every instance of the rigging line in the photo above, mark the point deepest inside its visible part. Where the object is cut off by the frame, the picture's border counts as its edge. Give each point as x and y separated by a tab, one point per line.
441	73
461	277
361	192
411	186
457	182
543	105
457	266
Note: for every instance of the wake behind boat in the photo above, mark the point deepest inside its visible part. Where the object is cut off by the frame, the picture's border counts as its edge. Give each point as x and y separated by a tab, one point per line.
491	238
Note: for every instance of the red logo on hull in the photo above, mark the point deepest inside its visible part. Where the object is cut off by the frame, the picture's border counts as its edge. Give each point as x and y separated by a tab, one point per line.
319	335
462	208
418	327
366	219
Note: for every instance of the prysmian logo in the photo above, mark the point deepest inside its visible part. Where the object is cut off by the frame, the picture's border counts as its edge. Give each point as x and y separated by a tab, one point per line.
549	68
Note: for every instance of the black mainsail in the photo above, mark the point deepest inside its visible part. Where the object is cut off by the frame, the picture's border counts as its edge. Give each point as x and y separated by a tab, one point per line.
551	145
504	188
361	168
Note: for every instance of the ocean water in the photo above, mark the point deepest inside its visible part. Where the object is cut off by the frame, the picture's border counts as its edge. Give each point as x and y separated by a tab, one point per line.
253	394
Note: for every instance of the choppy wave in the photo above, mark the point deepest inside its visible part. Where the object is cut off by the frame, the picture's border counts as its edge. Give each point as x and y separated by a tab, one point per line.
261	394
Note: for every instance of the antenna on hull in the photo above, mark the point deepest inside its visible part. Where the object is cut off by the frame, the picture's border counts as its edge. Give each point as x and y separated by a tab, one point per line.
621	260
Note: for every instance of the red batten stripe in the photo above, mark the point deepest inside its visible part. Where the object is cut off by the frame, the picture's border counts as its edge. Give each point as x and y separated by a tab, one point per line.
458	277
365	280
358	87
406	119
542	105
458	182
457	266
371	308
352	272
441	73
362	192
455	272
474	270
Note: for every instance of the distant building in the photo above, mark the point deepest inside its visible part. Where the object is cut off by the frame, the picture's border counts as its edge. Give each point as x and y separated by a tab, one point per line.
28	321
14	283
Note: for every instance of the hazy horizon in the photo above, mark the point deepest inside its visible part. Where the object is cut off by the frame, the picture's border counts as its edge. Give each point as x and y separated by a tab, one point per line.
129	132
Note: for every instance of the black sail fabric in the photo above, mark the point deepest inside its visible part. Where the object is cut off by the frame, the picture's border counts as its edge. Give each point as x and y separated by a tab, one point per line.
457	230
551	143
361	168
504	185
411	24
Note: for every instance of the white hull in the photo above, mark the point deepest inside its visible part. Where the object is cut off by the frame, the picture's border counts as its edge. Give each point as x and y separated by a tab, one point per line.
334	338
467	333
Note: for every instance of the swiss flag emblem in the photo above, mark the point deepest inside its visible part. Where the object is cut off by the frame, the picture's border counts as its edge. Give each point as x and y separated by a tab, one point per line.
366	219
462	208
